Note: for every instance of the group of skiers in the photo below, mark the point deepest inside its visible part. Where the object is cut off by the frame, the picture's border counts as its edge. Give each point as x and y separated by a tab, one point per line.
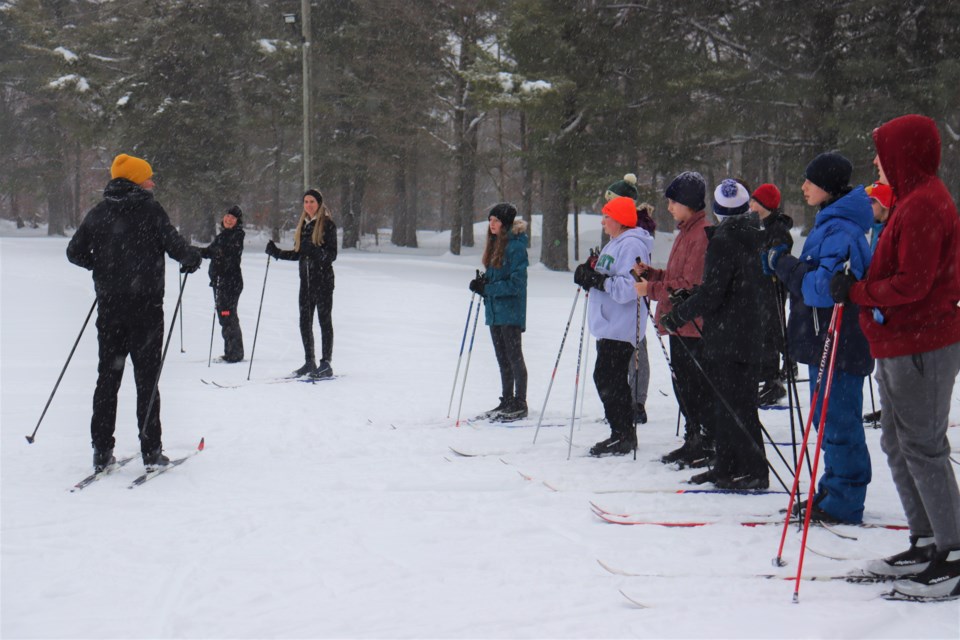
720	302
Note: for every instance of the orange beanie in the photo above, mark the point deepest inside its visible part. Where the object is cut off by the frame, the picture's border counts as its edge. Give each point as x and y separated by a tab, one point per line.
623	210
133	169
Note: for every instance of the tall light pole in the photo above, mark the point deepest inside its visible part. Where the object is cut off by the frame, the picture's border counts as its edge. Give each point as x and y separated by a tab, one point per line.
291	19
307	109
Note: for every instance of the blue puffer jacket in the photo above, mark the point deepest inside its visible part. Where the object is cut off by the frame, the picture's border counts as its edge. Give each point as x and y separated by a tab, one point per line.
505	293
838	235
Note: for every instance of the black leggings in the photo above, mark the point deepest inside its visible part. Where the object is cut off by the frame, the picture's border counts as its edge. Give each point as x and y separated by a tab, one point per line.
610	376
509	351
321	302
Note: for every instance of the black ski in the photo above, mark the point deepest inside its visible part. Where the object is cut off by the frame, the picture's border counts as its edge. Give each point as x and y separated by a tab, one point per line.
93	477
855	577
150	475
238	385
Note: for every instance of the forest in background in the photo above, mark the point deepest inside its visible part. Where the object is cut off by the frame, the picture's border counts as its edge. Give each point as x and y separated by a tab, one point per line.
427	112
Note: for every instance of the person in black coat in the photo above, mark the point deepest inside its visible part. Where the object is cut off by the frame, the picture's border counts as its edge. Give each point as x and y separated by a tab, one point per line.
727	302
123	240
226	279
765	202
315	247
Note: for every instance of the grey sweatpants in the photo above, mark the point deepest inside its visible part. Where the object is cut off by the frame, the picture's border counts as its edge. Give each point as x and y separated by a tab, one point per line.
639	374
916	391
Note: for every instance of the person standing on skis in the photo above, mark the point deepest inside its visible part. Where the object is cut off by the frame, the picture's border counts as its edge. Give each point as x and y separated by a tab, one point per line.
838	237
122	240
908	311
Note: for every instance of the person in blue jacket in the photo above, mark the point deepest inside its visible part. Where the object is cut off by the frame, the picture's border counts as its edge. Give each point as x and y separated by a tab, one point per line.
503	287
838	237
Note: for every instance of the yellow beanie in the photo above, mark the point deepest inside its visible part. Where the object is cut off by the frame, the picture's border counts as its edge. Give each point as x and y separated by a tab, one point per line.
131	168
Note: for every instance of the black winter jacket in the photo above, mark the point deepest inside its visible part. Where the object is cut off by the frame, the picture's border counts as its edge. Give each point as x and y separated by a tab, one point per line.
316	262
776	232
123	240
224	254
728	298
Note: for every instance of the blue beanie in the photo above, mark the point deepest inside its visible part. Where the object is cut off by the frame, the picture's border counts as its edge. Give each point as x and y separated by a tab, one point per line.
689	189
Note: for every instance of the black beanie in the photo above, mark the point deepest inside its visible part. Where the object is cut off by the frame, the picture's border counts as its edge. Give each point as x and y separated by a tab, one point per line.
237	213
505	213
830	171
689	189
316	194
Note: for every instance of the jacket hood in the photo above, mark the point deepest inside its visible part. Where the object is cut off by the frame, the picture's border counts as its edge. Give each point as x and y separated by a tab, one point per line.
744	228
855	207
909	150
637	233
519	226
121	189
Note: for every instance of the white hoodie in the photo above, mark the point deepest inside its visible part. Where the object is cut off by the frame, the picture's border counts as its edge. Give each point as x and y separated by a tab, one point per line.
613	311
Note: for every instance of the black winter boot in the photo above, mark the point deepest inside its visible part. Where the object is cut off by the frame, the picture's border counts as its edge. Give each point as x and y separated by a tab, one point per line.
308	367
102	459
615	445
494	413
155	459
514	410
323	370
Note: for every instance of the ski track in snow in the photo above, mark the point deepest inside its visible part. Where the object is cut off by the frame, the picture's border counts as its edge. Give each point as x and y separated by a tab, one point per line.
339	510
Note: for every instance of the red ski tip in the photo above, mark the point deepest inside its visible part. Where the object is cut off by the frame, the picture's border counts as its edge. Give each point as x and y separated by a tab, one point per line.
200	446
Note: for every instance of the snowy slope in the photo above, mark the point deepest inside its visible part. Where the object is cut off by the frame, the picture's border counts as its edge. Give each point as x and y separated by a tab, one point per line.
339	510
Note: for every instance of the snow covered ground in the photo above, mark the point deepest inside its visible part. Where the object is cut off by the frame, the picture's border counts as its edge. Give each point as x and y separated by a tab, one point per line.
339	509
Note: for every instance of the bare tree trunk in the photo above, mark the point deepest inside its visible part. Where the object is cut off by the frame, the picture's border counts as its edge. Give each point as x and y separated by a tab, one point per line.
526	170
556	200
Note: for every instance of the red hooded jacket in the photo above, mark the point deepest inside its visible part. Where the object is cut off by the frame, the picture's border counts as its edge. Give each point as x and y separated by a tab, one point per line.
684	270
914	277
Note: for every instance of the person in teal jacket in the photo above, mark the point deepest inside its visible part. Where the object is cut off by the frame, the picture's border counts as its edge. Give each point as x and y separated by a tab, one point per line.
503	287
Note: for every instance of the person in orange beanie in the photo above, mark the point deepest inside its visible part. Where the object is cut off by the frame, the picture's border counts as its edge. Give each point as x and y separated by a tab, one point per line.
122	240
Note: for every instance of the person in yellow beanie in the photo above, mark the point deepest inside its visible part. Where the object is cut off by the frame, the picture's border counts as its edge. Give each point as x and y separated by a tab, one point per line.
122	240
136	170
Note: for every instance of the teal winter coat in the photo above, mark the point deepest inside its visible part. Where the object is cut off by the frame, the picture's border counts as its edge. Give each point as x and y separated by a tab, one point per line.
505	293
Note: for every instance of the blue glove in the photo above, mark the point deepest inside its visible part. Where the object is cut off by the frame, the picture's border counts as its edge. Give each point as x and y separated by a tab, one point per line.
770	258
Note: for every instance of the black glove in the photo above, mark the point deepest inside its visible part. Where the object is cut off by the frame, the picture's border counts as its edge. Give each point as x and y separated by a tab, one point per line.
272	250
478	283
191	263
671	322
587	278
840	285
679	295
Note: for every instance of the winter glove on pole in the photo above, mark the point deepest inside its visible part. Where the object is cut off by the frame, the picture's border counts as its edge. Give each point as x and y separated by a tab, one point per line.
677	296
772	256
587	278
272	250
477	284
191	263
671	322
840	285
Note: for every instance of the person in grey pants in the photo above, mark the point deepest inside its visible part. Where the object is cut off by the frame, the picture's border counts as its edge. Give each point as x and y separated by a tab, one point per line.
909	314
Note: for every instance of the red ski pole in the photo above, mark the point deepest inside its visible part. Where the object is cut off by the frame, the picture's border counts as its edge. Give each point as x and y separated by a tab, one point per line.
827	348
816	457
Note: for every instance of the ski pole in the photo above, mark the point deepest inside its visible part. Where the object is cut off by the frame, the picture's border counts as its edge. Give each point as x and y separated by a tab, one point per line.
736	418
792	393
636	380
827	349
30	438
681	405
466	368
463	341
163	358
181	319
816	455
256	331
586	367
556	364
873	404
583	326
213	324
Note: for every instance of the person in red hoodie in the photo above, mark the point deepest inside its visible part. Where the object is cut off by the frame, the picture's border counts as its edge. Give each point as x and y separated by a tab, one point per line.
686	201
909	314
